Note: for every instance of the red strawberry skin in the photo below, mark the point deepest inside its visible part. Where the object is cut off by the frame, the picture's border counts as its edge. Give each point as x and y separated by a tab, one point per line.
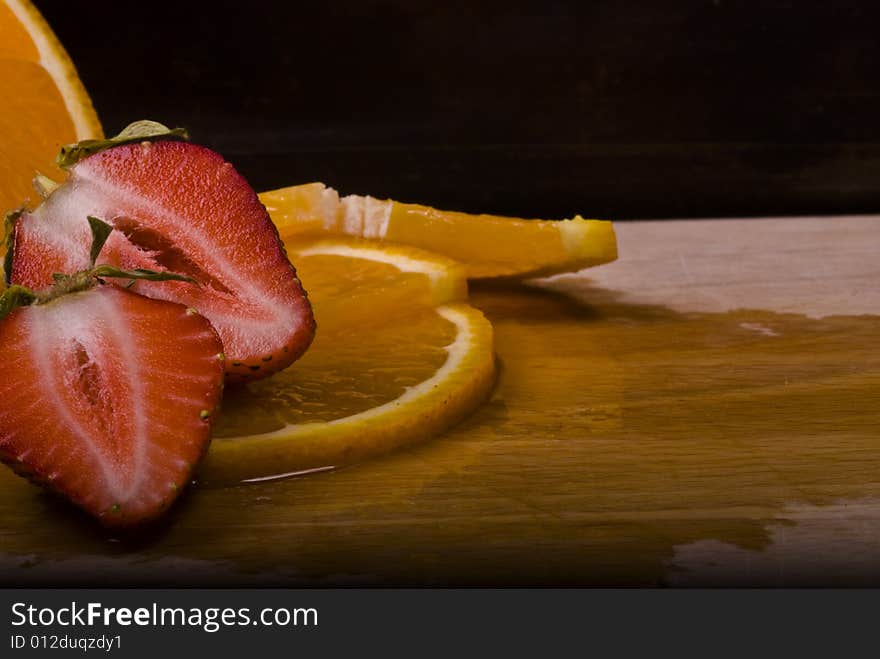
108	398
178	207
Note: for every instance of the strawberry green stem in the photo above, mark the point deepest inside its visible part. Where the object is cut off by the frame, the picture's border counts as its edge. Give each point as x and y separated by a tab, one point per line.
44	185
20	296
9	239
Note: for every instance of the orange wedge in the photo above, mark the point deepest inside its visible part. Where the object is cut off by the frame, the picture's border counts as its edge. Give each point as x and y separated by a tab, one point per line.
488	245
44	102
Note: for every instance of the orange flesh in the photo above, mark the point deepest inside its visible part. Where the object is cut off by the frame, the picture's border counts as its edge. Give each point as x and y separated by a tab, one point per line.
379	334
34	121
356	293
34	124
489	246
494	246
345	372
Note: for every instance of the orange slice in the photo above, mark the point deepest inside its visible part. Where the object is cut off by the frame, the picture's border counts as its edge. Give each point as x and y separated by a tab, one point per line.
398	357
44	102
488	245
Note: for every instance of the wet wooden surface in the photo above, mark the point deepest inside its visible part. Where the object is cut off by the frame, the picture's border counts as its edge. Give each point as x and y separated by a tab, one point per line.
704	411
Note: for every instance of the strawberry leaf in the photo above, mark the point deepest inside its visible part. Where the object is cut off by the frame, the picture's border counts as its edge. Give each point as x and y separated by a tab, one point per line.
139	131
14	297
100	232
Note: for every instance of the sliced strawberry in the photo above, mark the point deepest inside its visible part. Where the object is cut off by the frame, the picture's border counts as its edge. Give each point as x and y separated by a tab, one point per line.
178	207
108	397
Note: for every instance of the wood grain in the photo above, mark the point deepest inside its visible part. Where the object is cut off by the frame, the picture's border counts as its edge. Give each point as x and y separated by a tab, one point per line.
704	411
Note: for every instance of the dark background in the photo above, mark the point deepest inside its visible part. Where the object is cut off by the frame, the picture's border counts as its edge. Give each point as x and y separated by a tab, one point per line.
612	109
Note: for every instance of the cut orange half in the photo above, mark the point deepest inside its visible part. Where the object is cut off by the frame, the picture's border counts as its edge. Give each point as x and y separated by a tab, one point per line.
44	102
488	245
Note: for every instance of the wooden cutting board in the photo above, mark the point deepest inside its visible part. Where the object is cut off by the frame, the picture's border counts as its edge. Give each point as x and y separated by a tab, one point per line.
704	411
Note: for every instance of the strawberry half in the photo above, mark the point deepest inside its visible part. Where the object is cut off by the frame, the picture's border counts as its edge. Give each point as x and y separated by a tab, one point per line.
107	397
176	207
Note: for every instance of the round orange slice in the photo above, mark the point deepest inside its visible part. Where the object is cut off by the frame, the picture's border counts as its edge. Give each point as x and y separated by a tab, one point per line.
398	357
